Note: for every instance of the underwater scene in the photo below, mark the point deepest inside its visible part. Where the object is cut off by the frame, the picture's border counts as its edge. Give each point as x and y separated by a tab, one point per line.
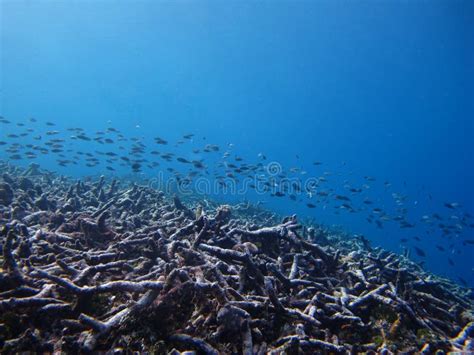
237	177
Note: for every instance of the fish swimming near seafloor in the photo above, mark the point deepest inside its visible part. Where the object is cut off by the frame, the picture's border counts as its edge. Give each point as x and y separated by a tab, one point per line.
65	152
419	252
451	205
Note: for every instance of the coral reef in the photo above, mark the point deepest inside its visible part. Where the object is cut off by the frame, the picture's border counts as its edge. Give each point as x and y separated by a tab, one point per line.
98	265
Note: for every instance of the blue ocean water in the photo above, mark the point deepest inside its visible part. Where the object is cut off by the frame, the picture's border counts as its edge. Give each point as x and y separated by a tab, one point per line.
370	89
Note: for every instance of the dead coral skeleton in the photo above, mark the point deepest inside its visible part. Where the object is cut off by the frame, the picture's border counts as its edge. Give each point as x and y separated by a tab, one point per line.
94	265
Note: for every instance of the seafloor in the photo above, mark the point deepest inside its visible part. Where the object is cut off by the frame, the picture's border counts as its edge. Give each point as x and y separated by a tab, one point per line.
108	265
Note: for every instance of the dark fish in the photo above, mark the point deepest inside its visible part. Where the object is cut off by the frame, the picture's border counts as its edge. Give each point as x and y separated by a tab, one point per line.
440	248
310	205
405	224
211	148
198	165
348	207
451	262
451	205
136	167
419	252
159	140
183	160
83	137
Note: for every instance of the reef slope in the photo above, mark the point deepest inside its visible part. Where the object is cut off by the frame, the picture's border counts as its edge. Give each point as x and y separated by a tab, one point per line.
98	265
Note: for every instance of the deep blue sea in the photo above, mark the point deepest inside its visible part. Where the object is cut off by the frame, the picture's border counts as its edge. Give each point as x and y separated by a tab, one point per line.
379	94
